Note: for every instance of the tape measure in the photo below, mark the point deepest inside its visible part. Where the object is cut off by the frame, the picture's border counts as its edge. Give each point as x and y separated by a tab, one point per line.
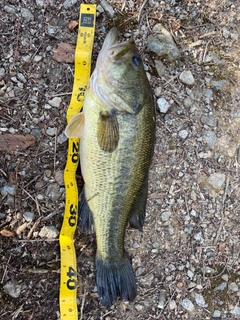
83	53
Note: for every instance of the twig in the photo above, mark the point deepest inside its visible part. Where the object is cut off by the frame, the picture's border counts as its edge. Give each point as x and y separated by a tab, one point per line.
170	80
207	34
141	9
5	270
16	50
222	211
34	227
83	302
205	51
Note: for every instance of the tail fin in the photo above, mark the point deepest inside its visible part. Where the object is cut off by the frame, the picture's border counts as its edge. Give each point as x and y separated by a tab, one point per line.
85	216
115	279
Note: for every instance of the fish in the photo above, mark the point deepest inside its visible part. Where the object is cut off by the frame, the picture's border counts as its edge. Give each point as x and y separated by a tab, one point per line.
117	133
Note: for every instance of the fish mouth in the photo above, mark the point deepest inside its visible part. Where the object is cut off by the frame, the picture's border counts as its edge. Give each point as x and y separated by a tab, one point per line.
115	50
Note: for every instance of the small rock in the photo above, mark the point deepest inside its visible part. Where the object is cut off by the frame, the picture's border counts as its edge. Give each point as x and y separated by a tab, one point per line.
200	300
9	9
2	73
187	77
190	274
216	180
188	305
8	189
53	191
172	305
40	3
37	58
162	299
139	307
29	216
158	91
51	131
36	133
236	310
160	67
21	77
226	33
216	314
225	277
233	286
221	287
208	93
163	105
199	237
49	232
218	85
210	138
62	138
55	102
59	177
183	134
210	120
163	44
107	8
187	102
12	289
27	15
166	215
69	3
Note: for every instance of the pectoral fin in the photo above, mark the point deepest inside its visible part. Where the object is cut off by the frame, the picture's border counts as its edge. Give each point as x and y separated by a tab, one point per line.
75	127
107	131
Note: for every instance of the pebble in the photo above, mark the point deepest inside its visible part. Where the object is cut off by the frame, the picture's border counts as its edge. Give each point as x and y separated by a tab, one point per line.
210	138
162	299
59	177
199	237
216	180
200	300
236	310
163	105
53	191
139	307
107	8
36	133
2	73
172	305
221	287
162	43
208	93
8	189
51	131
233	286
12	289
27	15
217	314
9	9
49	232
166	215
210	120
37	58
183	134
29	216
158	91
40	3
160	67
69	3
55	102
186	77
188	305
218	85
62	138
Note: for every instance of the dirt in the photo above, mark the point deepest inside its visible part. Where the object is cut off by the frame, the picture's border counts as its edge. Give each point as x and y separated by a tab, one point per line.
190	242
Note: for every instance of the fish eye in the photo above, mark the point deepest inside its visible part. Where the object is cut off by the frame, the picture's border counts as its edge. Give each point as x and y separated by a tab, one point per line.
136	60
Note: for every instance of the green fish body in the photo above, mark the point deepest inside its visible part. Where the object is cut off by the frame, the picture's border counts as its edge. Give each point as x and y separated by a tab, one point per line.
117	133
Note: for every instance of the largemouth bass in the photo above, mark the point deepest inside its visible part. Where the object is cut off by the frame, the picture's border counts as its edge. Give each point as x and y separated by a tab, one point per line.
117	132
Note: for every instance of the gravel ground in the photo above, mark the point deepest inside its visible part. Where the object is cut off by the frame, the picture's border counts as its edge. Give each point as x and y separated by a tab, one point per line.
186	260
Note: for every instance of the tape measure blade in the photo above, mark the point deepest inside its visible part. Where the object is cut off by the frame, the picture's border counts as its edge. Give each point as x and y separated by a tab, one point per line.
68	279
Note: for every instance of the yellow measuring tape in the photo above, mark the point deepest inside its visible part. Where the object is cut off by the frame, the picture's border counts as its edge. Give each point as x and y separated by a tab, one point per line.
68	281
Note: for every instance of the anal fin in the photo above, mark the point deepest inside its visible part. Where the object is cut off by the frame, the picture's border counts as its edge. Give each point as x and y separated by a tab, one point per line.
138	212
85	216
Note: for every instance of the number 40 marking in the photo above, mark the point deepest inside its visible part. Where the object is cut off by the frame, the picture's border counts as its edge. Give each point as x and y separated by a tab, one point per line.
71	283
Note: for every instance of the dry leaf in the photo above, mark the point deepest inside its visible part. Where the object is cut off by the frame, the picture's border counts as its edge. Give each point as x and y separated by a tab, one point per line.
64	53
7	233
72	25
14	142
